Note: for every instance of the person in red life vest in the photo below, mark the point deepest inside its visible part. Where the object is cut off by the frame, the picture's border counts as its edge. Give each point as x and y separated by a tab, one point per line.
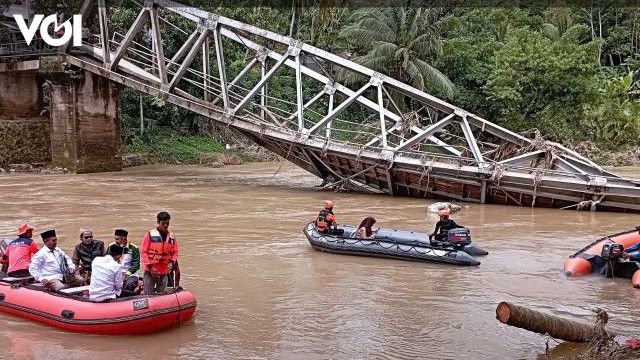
364	230
159	249
19	252
326	220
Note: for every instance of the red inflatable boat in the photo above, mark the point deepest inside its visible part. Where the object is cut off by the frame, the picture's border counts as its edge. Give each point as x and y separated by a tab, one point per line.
587	259
131	315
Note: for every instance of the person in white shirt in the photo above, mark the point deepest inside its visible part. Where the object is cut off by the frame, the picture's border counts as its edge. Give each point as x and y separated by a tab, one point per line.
106	275
51	266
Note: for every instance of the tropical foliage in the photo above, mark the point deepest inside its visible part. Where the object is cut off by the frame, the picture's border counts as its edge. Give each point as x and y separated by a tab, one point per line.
571	72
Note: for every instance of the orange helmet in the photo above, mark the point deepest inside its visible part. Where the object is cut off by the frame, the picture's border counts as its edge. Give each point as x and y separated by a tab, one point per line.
444	212
328	204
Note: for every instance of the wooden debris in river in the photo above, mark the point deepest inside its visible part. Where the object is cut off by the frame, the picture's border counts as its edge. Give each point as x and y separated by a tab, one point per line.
601	343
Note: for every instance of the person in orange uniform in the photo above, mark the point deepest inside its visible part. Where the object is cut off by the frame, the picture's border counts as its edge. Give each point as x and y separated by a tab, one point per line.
159	249
326	220
19	252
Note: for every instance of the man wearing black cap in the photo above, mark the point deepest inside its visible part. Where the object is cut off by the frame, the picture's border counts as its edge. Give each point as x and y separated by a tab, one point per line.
130	261
51	266
106	275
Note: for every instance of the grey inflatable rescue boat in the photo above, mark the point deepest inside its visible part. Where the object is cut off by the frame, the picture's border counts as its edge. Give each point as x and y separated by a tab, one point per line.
395	244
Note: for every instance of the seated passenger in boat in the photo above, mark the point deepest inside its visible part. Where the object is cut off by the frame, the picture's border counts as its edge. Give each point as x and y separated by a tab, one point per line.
106	275
364	229
442	227
326	220
19	253
87	250
632	253
130	261
52	267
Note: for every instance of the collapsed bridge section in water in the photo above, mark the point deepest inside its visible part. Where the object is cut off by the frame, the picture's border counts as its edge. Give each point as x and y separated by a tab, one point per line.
372	133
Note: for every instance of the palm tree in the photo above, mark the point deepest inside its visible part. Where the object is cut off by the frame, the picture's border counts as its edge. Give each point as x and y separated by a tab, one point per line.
399	42
561	25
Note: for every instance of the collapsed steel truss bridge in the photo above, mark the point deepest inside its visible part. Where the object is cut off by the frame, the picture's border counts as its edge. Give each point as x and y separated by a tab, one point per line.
401	141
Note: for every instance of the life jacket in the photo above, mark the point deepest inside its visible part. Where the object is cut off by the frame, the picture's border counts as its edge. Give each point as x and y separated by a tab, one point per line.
325	219
160	252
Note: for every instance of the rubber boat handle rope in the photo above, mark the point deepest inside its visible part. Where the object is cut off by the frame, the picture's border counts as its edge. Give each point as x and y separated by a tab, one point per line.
427	251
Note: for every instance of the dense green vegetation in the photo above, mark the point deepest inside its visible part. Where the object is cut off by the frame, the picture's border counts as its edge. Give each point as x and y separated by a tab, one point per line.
570	72
168	146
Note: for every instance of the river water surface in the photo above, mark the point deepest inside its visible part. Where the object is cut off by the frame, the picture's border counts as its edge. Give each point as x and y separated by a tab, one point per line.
263	292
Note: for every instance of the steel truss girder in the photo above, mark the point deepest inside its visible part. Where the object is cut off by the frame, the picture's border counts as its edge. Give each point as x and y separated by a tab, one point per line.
522	181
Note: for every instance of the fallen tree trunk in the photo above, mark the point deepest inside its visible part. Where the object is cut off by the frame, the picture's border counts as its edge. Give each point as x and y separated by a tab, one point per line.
554	326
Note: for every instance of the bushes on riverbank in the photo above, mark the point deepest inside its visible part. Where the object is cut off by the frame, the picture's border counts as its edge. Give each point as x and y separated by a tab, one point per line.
167	146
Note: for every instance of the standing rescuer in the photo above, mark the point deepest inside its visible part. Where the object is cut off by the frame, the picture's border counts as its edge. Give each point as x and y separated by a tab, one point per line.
159	249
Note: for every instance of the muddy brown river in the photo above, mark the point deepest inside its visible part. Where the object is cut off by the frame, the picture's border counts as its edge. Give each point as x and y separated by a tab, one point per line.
264	293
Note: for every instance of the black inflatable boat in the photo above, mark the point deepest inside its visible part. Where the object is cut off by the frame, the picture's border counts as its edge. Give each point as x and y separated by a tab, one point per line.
391	243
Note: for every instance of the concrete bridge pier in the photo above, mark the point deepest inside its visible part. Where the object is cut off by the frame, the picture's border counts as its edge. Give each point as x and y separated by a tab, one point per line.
81	130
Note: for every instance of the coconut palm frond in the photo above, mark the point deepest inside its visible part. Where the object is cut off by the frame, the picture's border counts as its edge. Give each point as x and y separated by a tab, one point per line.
361	37
435	79
576	33
550	31
426	44
377	63
417	79
396	41
381	48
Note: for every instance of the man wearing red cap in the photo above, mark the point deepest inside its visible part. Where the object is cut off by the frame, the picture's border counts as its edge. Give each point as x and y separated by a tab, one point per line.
20	251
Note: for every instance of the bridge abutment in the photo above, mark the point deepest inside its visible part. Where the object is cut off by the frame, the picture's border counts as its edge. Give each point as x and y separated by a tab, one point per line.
24	133
81	130
85	123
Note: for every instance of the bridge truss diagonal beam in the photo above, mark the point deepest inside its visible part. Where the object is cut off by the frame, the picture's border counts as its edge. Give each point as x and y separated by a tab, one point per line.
191	55
430	130
339	109
141	20
262	82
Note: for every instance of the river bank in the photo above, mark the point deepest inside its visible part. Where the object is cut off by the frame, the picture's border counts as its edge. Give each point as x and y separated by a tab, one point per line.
170	148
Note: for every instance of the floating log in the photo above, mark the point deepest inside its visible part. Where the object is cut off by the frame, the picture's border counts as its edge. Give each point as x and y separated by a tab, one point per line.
554	326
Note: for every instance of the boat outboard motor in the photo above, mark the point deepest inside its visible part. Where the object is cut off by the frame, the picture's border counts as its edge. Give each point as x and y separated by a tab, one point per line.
611	253
459	237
